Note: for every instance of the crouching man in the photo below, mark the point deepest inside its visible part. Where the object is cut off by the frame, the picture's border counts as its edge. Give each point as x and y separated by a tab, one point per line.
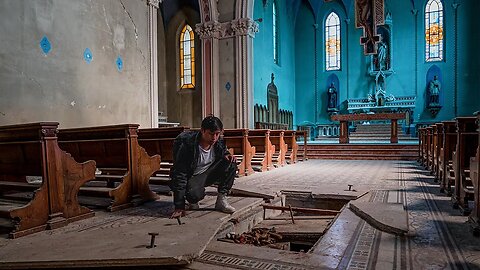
200	159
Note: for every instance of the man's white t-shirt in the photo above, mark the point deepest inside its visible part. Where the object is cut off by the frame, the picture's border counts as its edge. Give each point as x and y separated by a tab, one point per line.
205	160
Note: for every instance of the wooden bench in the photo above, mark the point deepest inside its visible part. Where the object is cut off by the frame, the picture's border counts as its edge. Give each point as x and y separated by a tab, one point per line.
446	156
260	139
429	142
433	148
302	154
32	150
238	140
159	141
437	150
467	140
475	177
276	138
120	159
421	145
290	139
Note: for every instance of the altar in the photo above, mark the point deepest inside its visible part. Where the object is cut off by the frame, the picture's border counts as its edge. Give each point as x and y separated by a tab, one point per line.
345	118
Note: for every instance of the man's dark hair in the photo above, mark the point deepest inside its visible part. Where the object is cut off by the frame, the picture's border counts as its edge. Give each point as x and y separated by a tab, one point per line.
212	123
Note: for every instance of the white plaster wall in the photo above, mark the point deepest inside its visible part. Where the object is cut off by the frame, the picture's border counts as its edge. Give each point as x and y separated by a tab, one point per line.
61	86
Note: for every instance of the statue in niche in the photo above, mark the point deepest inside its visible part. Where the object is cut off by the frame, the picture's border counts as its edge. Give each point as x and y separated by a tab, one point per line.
382	56
332	96
434	92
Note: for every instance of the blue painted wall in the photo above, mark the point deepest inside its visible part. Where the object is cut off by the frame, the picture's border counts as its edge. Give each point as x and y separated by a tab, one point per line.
263	55
408	58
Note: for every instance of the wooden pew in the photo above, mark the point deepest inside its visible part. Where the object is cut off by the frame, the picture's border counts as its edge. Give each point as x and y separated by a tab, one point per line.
421	145
433	146
466	147
32	150
474	217
428	147
290	139
159	141
302	154
446	156
260	139
238	140
277	139
120	158
437	150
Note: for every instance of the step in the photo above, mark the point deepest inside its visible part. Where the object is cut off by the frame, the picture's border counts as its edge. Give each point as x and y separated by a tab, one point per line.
363	157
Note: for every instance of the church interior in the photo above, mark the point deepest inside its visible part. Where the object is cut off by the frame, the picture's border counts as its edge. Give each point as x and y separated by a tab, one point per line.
355	125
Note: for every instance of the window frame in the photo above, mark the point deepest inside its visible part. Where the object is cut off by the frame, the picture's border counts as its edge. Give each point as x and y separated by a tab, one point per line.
275	32
182	61
441	32
337	28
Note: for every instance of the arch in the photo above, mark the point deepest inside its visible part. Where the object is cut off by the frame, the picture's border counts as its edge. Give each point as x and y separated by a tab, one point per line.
185	107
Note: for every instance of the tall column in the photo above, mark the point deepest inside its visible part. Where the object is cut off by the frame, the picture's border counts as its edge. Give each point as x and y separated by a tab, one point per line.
245	29
153	6
455	59
315	33
209	32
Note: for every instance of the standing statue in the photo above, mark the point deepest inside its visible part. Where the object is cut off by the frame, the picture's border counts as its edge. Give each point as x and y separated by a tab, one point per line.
434	91
382	56
332	96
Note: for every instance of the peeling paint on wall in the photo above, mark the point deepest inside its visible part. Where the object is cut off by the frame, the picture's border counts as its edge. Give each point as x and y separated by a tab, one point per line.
119	37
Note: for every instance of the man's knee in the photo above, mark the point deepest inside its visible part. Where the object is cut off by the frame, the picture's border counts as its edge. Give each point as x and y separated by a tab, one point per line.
195	195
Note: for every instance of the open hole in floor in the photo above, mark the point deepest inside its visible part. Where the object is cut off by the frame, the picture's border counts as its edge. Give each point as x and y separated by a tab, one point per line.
295	221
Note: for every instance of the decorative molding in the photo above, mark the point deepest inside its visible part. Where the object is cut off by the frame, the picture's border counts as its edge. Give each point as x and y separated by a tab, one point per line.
244	26
205	7
208	30
237	27
155	3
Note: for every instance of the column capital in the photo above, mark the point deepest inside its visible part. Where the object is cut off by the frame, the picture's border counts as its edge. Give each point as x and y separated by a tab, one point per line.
237	27
154	3
208	29
244	26
414	12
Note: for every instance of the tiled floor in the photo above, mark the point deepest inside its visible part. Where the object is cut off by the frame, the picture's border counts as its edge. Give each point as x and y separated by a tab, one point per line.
440	237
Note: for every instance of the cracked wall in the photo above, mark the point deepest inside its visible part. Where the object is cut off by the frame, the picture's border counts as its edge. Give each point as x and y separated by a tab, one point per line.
61	86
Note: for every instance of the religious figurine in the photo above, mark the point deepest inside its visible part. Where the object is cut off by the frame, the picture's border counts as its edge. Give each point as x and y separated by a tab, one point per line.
332	96
434	92
382	56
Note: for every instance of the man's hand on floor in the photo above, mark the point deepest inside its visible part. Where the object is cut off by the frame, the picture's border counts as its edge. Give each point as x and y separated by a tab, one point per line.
178	213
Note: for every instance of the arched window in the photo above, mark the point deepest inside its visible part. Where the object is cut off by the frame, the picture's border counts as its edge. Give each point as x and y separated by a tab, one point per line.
187	58
434	31
275	31
332	42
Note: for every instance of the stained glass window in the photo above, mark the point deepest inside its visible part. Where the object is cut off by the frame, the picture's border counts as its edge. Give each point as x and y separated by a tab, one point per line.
275	32
434	31
187	58
332	42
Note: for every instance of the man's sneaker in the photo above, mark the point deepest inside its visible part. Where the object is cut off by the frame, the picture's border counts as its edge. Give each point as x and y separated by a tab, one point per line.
222	204
193	206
